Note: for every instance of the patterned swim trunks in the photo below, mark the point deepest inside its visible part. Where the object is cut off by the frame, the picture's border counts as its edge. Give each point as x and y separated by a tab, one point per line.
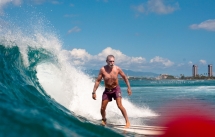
108	94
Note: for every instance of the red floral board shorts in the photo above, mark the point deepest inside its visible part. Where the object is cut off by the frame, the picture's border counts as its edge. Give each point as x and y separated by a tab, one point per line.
108	94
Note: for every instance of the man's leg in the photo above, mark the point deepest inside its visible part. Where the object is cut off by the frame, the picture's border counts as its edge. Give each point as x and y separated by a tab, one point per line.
103	113
124	113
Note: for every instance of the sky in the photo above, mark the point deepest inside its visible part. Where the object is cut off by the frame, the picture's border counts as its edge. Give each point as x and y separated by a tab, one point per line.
160	36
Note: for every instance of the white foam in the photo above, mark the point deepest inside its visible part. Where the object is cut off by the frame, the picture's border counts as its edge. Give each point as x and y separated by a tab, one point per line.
64	82
35	36
72	88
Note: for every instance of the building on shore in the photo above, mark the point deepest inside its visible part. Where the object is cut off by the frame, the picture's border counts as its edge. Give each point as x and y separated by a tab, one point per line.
210	71
195	70
162	76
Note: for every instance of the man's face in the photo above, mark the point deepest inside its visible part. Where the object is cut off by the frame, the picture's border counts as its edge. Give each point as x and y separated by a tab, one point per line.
110	62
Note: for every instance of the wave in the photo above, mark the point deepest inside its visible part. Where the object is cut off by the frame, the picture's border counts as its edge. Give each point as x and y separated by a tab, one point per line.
43	94
26	109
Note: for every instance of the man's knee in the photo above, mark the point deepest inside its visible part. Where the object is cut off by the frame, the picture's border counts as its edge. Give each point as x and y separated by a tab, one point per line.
103	108
120	106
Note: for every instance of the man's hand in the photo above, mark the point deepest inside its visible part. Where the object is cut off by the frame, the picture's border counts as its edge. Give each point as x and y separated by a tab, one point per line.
94	96
129	91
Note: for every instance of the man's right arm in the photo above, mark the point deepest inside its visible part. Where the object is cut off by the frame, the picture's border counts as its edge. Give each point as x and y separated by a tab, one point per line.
97	82
126	80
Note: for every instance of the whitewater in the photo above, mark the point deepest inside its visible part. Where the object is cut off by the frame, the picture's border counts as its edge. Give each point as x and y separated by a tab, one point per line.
44	94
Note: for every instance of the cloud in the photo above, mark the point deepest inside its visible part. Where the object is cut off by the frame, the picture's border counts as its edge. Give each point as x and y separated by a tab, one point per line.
3	3
203	62
81	57
206	25
75	29
43	1
15	2
155	6
139	8
159	7
190	63
180	64
163	61
80	54
119	57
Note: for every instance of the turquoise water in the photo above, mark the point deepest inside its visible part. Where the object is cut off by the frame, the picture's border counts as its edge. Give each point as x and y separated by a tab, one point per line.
45	98
25	107
166	96
43	94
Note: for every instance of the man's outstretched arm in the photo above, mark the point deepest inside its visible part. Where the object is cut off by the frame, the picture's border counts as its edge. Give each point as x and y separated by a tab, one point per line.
122	74
97	82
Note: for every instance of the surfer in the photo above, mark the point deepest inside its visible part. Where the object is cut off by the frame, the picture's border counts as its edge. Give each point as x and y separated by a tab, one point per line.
110	73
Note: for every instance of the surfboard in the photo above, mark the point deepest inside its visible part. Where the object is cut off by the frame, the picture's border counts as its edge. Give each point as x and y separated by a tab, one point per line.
140	129
135	129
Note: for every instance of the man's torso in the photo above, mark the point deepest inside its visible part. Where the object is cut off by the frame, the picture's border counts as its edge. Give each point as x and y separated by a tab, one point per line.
110	76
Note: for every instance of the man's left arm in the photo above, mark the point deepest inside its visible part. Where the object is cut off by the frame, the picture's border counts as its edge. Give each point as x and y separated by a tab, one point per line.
122	74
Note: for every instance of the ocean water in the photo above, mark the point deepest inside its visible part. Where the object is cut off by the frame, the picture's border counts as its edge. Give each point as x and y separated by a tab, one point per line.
43	94
166	98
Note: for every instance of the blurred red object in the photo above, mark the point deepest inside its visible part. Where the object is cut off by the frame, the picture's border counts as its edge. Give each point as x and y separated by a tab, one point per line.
191	123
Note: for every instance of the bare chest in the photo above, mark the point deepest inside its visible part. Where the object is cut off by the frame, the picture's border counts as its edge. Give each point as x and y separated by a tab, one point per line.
110	75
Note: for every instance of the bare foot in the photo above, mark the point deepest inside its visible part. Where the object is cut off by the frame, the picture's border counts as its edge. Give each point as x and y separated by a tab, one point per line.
127	125
103	122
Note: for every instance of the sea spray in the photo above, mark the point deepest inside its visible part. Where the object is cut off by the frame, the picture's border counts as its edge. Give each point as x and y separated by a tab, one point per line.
26	109
60	79
73	89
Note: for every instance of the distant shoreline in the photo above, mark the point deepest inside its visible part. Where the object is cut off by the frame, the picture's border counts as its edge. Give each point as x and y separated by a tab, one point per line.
154	78
171	78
